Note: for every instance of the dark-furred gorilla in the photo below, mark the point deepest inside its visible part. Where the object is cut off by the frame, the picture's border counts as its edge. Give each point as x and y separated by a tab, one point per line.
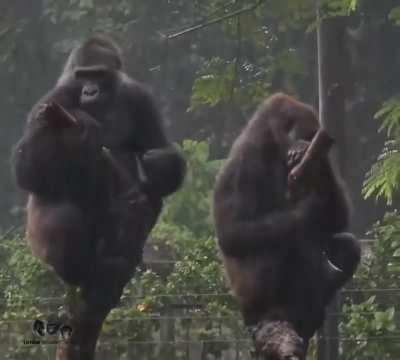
96	163
285	248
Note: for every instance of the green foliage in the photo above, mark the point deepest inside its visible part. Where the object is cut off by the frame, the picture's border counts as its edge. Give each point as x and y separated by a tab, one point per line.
351	5
292	14
215	85
27	292
189	209
368	327
23	278
229	82
390	116
289	61
384	177
371	322
339	7
382	266
394	15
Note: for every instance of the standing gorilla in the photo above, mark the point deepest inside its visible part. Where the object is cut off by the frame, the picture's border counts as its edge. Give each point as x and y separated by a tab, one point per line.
96	163
284	247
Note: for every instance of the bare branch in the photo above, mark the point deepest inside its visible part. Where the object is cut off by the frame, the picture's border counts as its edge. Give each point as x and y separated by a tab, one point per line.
214	21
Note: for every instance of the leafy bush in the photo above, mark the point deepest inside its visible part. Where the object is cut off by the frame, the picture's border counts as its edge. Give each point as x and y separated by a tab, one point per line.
371	323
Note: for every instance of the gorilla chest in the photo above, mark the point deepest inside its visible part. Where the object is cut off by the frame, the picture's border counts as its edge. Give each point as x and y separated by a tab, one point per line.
117	128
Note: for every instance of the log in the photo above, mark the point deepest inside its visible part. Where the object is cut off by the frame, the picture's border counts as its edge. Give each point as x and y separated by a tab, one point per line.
278	340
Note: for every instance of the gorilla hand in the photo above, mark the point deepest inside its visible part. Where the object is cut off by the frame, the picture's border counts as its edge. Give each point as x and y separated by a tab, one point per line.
55	116
296	153
297	188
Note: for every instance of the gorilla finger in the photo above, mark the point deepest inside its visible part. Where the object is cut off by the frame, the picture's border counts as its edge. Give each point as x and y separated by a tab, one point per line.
42	111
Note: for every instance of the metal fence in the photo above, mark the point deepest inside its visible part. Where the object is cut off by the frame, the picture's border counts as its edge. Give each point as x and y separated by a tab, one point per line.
184	331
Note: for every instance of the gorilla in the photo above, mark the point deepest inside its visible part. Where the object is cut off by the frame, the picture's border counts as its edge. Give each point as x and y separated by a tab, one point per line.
284	244
97	164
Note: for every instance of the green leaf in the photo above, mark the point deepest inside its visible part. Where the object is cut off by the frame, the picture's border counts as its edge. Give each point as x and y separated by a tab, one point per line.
384	177
394	15
397	253
215	86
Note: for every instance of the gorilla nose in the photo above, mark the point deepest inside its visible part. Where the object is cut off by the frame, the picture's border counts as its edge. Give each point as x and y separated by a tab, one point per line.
90	91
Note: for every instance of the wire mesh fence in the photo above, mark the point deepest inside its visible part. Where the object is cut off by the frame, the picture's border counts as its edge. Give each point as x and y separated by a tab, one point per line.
182	327
182	330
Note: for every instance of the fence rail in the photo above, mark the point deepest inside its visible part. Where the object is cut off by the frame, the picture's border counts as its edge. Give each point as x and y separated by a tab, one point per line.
184	331
188	334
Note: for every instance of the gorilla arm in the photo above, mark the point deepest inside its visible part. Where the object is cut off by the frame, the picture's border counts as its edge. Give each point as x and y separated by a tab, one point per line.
39	159
242	228
56	151
332	192
315	169
164	167
37	166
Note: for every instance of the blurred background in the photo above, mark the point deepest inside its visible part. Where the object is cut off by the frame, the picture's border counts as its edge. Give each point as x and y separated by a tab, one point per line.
210	63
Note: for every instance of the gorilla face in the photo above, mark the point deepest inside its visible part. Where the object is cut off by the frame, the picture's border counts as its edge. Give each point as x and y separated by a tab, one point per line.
98	84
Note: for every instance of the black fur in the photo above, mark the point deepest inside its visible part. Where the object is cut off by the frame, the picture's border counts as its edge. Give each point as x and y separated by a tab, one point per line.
89	211
274	247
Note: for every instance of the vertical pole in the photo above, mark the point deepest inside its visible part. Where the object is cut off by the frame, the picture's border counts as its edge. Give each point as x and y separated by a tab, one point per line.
332	67
322	333
167	333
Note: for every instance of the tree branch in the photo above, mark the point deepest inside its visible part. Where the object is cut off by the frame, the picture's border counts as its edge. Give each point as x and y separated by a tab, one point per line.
214	21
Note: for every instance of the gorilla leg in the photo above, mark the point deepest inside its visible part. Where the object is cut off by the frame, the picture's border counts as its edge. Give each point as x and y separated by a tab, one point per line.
119	251
344	251
59	235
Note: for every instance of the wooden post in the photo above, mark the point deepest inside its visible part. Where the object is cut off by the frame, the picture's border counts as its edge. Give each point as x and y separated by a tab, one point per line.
167	333
86	322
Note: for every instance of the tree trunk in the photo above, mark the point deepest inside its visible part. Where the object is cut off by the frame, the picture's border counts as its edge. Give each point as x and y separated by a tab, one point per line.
332	67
